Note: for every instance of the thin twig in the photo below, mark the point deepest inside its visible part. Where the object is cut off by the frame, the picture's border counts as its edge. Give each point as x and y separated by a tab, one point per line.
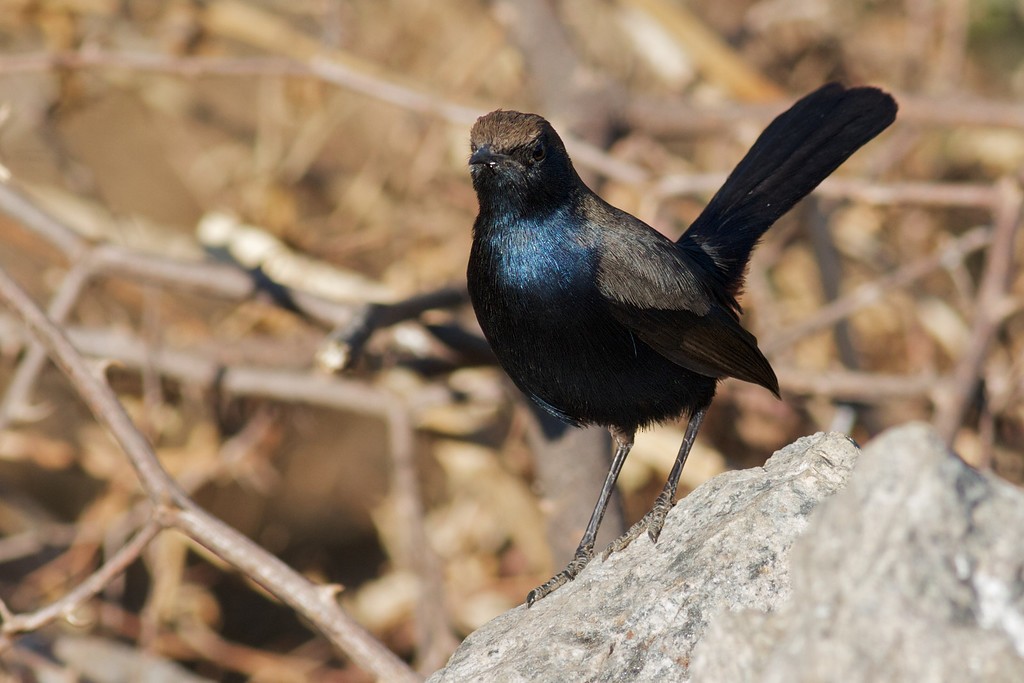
101	401
16	398
176	510
671	116
90	587
434	633
342	347
21	208
346	71
654	115
208	277
869	192
857	386
107	259
871	292
316	603
993	305
201	367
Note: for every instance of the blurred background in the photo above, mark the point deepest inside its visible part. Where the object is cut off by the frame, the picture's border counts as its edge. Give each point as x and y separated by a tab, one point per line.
317	148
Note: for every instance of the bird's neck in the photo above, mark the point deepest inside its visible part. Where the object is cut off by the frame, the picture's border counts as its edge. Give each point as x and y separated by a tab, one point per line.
510	209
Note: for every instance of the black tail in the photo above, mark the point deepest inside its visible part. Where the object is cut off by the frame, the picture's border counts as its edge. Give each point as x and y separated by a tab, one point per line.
792	156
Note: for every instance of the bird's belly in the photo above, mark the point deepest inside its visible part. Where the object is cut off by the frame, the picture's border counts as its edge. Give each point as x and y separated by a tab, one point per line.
568	354
551	330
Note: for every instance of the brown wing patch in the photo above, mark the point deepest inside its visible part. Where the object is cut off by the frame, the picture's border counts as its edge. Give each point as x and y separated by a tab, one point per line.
714	345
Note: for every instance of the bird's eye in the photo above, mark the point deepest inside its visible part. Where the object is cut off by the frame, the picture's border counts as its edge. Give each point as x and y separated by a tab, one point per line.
539	151
472	146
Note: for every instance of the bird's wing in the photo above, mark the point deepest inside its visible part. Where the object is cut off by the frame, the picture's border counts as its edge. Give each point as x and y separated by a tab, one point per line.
638	265
713	344
665	298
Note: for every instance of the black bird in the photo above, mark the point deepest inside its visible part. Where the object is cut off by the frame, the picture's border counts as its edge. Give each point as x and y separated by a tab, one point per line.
601	319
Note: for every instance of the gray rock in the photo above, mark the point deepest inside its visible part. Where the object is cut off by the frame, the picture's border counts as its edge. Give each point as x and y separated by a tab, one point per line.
638	615
915	572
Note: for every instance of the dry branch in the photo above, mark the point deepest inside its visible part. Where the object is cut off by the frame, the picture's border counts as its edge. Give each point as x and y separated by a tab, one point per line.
175	510
994	303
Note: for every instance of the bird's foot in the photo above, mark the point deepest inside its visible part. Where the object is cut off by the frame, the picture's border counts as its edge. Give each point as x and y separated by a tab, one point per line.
652	523
583	556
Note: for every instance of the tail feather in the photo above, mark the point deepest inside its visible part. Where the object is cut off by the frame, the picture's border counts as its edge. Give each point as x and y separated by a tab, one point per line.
792	156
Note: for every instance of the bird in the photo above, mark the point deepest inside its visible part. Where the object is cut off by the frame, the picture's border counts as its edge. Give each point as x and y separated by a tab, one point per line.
601	319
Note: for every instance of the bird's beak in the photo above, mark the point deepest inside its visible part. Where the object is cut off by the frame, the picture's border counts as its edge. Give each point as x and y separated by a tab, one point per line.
484	156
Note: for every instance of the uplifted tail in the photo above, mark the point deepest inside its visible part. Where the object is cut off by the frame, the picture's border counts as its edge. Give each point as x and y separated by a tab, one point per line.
792	156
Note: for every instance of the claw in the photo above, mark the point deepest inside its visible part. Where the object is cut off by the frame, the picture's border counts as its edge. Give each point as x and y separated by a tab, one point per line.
653	522
582	558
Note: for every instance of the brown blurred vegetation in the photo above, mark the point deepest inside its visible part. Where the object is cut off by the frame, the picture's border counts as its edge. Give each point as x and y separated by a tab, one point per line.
339	128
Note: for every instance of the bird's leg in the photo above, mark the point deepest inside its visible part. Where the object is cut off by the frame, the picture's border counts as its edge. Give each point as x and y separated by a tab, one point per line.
585	550
654	520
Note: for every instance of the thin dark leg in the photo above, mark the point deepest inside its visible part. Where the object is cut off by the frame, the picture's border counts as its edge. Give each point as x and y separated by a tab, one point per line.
654	520
585	550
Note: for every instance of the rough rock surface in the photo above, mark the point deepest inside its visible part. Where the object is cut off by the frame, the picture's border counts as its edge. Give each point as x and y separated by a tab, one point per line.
914	572
637	615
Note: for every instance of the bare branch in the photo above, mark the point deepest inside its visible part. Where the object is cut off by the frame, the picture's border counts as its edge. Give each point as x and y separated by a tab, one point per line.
857	386
89	588
872	292
993	305
176	510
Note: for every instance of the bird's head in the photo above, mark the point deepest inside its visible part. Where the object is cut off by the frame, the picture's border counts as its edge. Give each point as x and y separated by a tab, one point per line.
518	161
